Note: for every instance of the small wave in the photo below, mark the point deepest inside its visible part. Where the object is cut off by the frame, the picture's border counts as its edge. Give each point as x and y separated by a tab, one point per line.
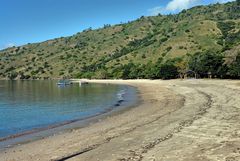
120	95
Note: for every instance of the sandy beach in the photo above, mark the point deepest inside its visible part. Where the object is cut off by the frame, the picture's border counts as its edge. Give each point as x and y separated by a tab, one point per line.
186	120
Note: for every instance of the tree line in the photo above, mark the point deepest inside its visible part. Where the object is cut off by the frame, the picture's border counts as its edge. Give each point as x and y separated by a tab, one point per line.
203	65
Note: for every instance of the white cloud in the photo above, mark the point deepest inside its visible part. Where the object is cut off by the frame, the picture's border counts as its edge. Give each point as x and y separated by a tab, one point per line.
178	5
174	6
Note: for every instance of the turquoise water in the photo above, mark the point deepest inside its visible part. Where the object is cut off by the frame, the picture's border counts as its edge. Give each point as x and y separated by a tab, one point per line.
28	105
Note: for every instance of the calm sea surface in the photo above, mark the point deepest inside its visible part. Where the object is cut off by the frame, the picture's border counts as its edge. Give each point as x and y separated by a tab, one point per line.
27	105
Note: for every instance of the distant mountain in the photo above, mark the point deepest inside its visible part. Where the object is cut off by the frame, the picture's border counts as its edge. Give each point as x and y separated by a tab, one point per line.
123	50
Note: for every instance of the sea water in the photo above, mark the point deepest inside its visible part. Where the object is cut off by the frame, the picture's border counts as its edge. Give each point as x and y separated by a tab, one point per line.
31	105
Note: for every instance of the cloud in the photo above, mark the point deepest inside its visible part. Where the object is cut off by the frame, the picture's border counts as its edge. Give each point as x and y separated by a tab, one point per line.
175	6
178	5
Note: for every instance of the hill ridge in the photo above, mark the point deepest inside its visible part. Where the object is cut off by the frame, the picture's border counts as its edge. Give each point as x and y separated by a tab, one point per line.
121	50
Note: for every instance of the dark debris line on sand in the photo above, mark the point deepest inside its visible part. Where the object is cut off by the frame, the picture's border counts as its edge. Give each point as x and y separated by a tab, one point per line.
137	155
108	139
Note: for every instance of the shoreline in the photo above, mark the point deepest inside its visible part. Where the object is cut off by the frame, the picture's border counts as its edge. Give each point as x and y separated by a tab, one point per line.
64	127
175	120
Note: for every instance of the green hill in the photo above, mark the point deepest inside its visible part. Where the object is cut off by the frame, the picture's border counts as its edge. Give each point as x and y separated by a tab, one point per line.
135	49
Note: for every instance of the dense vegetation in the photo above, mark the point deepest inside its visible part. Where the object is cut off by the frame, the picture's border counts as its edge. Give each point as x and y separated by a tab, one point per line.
204	40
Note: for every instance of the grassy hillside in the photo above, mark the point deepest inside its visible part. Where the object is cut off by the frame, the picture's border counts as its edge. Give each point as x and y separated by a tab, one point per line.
100	53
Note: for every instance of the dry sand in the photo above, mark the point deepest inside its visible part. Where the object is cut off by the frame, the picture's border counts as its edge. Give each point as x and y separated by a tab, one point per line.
188	120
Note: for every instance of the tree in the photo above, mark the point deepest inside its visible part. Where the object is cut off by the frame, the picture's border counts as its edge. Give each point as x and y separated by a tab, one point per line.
150	70
234	68
144	56
168	71
117	73
182	66
208	62
238	2
101	74
12	75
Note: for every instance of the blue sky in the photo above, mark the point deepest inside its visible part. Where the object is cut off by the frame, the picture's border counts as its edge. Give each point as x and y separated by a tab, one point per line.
28	21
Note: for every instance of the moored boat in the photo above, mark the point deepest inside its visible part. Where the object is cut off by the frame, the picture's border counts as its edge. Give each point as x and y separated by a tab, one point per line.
64	82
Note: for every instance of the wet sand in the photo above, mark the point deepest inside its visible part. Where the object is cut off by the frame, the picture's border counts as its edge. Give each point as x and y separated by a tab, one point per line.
187	120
